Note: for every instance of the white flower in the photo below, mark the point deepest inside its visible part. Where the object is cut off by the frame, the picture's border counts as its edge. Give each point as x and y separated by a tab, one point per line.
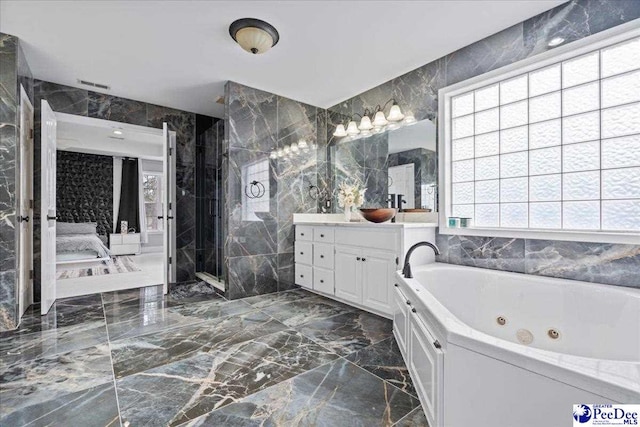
350	195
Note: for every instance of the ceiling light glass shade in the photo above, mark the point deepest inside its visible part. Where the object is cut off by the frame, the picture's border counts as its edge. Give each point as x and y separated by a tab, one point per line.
379	120
273	155
409	118
395	114
340	131
352	128
302	144
253	35
365	124
556	41
286	149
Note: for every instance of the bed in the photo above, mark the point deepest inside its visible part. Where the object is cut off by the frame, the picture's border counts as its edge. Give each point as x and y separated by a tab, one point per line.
79	242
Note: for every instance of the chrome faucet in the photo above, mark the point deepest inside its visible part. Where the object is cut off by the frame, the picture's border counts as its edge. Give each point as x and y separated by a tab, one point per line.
406	271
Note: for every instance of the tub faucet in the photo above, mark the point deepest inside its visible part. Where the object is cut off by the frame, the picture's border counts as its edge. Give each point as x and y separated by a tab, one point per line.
406	271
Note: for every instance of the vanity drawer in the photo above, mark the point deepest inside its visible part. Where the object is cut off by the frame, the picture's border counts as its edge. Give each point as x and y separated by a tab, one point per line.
304	232
323	280
372	239
304	276
304	253
323	255
323	234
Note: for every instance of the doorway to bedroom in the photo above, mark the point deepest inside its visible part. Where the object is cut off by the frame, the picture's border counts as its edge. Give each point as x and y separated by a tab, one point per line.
108	193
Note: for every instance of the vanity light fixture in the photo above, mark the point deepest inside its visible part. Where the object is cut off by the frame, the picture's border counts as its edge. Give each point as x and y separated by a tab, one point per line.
340	131
380	122
395	114
254	35
556	41
352	128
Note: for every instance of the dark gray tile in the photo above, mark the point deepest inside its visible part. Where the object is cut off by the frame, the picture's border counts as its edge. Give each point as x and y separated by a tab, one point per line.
108	107
145	352
96	406
348	332
321	397
306	310
261	301
176	393
492	252
415	418
385	361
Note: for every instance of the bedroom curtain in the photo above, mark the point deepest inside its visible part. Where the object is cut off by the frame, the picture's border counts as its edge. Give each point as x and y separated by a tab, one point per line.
143	218
129	209
117	187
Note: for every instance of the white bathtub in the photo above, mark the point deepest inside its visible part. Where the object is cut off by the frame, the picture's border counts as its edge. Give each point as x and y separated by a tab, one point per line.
489	367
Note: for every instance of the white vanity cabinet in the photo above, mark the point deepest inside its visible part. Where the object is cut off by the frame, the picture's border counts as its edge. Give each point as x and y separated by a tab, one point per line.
355	262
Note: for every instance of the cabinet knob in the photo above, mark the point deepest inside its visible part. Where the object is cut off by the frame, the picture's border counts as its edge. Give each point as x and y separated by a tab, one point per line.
408	302
414	310
321	281
436	344
358	258
302	234
322	235
364	259
301	253
302	275
395	284
321	256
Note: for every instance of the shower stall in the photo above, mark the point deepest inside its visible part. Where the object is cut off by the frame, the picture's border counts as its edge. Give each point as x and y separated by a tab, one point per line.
210	224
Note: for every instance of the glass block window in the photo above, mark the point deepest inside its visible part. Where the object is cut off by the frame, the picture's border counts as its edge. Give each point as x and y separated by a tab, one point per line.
552	148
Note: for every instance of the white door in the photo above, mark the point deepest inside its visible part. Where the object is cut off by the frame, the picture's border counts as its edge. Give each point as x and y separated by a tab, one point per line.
168	207
25	205
48	208
377	275
348	274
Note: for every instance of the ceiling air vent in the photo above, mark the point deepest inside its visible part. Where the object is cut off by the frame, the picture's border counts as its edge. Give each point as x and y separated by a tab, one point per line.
92	84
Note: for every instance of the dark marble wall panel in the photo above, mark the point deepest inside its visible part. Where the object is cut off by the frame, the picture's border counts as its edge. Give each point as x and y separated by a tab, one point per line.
417	91
258	123
14	74
108	107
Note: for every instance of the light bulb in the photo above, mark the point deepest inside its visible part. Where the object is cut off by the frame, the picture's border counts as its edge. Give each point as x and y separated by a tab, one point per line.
365	124
379	120
352	128
409	118
273	155
340	131
286	149
280	152
395	114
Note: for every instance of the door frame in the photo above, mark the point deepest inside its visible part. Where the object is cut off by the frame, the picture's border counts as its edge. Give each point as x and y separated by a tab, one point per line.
24	234
109	124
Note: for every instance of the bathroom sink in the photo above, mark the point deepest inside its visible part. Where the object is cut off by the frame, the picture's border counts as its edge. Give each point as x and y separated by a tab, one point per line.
378	214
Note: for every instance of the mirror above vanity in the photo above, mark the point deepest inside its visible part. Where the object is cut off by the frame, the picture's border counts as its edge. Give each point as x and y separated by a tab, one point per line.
398	167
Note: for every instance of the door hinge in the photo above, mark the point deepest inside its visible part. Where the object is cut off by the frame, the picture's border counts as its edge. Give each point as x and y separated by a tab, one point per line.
31	274
170	260
31	204
30	133
397	261
170	207
170	151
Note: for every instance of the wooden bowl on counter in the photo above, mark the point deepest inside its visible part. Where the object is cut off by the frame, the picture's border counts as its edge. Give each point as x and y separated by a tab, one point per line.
378	215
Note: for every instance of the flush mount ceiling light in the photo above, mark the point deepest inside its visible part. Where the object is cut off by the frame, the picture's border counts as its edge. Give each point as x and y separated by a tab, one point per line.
253	35
556	41
117	132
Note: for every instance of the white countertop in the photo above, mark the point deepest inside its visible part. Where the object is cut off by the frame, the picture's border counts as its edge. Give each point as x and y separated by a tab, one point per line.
338	220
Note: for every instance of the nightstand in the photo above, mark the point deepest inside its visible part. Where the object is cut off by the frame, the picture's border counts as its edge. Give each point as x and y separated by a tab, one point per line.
125	244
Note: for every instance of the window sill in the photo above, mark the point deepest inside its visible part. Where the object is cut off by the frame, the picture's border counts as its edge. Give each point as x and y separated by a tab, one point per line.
571	236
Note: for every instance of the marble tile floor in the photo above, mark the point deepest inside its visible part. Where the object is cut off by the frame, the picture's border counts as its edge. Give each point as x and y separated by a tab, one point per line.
192	358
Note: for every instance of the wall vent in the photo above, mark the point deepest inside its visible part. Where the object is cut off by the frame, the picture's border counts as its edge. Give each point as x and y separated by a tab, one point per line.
117	137
93	84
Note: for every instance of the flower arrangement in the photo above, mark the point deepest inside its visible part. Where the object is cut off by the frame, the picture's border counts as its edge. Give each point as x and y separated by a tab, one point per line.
350	195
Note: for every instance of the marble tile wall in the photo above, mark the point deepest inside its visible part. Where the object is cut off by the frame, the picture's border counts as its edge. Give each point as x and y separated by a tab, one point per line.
14	73
86	103
259	253
417	91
